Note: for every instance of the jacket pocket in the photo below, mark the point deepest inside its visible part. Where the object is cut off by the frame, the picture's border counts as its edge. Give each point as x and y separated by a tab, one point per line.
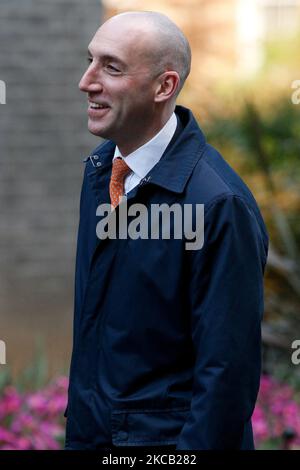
141	427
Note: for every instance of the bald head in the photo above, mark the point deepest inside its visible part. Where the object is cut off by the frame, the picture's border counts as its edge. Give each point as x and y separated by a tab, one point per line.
160	41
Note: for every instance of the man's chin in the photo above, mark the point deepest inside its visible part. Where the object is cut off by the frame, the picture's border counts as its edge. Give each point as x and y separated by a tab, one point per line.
97	130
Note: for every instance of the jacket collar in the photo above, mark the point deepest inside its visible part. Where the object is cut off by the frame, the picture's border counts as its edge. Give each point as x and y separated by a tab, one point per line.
178	161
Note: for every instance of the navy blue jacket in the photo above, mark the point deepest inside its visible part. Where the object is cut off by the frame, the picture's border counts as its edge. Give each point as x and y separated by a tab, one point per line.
167	341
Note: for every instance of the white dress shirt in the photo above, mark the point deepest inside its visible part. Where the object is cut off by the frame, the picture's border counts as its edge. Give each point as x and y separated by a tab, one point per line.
143	159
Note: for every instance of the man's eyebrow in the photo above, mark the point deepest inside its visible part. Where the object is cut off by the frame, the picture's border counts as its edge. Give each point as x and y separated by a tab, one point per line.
106	57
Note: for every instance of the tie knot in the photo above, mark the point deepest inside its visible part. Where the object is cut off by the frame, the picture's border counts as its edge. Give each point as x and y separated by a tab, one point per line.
119	170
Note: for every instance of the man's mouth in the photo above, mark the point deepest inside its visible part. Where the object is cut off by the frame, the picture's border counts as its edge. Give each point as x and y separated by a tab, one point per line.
93	105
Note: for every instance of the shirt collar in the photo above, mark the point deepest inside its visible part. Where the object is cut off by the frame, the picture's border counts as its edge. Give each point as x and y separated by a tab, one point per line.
176	164
143	159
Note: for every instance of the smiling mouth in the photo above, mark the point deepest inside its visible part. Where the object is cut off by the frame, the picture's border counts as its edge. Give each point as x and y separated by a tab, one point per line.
97	111
93	105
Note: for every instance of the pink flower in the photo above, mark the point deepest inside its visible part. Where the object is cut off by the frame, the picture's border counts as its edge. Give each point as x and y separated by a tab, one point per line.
10	402
23	443
6	436
37	402
260	425
33	420
276	411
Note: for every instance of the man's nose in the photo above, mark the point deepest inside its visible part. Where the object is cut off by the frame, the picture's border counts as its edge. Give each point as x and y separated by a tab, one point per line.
90	81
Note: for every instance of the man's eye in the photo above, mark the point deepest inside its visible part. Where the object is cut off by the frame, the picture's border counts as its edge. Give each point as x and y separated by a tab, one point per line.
90	60
111	68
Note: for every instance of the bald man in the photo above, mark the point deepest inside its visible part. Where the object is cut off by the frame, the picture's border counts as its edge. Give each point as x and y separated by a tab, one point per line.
167	320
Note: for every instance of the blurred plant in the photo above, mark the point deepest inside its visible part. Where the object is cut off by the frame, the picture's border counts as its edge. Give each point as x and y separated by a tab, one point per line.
31	412
35	376
33	421
276	418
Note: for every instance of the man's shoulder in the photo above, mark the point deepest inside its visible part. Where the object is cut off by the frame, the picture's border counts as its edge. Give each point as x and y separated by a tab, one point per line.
213	178
216	184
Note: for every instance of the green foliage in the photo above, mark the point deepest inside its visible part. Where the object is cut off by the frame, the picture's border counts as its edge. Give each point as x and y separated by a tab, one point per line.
5	377
282	52
265	140
33	377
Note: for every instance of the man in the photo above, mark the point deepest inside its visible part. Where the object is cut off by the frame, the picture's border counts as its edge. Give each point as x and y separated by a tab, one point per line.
167	340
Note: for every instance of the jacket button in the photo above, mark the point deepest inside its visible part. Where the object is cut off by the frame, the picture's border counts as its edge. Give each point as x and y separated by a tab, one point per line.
123	435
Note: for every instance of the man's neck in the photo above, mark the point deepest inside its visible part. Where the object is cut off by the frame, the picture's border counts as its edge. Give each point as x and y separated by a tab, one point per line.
128	146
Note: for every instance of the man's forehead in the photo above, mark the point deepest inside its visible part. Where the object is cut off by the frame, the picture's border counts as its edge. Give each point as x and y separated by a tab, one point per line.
126	29
121	42
105	48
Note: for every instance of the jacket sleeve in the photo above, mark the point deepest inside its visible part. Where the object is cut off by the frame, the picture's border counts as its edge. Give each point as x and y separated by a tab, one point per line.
226	292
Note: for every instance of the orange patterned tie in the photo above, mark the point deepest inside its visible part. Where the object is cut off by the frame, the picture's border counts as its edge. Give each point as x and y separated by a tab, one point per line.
120	170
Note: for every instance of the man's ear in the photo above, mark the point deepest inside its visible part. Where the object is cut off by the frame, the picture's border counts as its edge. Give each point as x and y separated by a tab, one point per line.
168	83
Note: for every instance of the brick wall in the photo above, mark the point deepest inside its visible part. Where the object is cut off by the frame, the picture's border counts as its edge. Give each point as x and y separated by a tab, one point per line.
43	138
